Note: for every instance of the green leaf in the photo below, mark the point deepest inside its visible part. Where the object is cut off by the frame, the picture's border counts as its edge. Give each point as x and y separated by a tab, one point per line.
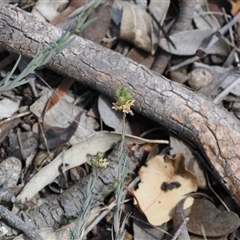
86	24
44	57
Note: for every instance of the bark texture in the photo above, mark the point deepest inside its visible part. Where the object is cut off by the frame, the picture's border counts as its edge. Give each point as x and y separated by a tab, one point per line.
58	210
214	131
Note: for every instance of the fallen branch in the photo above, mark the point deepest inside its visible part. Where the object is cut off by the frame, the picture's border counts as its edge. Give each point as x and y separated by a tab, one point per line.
16	222
57	210
214	131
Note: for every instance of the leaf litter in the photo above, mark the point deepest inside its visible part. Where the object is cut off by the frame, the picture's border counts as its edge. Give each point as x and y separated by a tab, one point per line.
165	180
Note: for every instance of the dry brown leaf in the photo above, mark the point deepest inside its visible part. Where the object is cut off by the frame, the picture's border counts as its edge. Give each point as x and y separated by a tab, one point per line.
61	90
97	30
143	231
111	118
179	219
136	27
188	42
62	114
159	10
191	161
215	223
73	5
75	156
55	136
141	57
235	6
164	182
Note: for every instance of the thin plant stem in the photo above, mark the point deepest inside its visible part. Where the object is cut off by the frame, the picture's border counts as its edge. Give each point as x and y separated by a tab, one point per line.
123	132
123	102
79	231
183	224
110	207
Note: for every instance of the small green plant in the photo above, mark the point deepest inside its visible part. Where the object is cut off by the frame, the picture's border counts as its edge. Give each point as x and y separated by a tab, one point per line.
124	102
98	162
44	57
39	60
81	21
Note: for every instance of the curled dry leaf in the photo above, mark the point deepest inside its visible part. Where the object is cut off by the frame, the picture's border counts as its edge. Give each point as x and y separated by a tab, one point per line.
235	6
164	182
61	115
136	27
111	118
56	136
159	9
191	161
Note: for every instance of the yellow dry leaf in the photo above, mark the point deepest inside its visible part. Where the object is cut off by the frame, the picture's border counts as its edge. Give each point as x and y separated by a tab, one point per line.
164	182
235	6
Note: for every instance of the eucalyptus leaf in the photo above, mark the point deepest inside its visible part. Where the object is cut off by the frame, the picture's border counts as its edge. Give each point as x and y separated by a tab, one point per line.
75	156
188	42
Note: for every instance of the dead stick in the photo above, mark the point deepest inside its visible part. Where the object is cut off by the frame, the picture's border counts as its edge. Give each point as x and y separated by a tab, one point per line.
18	223
214	132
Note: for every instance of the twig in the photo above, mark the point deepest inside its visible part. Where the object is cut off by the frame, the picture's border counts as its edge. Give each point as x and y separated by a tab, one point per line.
215	37
183	23
110	207
226	91
44	137
222	31
203	232
19	224
162	29
14	117
218	197
207	179
20	143
175	236
231	44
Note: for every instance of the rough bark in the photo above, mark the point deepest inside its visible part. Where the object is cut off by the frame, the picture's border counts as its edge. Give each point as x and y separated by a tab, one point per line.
214	131
59	210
